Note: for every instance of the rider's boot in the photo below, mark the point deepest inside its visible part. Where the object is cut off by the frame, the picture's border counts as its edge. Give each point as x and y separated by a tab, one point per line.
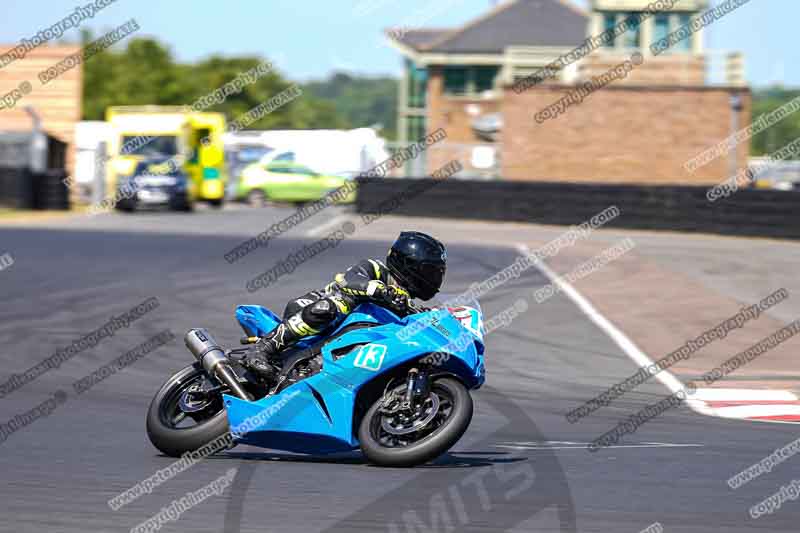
265	356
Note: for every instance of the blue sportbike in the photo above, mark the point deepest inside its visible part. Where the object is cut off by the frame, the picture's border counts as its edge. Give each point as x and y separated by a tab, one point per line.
397	388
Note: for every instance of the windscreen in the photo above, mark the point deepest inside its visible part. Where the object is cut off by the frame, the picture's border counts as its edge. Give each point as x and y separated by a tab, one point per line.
149	145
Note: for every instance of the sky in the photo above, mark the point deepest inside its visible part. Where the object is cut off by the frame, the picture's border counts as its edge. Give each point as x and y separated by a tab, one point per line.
309	39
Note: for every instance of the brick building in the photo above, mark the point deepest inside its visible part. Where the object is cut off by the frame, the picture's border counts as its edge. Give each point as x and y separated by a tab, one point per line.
639	128
58	103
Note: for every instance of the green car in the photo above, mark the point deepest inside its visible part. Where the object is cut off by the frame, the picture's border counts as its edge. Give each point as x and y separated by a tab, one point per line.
286	182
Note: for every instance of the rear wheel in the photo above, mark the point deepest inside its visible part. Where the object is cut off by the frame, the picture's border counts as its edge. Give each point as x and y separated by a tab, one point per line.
393	435
178	420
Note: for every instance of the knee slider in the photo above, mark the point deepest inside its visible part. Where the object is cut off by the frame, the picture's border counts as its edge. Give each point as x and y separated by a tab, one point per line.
320	312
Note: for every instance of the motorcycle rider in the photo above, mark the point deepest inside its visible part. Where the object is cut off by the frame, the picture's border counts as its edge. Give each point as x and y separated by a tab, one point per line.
414	268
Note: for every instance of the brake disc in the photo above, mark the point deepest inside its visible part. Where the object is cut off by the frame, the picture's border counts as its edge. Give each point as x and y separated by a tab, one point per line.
190	405
392	426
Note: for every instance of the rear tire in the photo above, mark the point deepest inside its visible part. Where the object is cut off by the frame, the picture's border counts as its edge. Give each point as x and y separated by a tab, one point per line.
430	446
177	441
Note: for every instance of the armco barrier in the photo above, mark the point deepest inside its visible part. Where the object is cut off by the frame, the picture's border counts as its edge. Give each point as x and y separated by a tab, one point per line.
749	212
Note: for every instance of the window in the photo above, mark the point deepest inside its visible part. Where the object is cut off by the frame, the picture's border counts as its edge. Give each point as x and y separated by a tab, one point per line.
632	37
612	23
684	19
484	78
278	169
415	128
197	139
455	80
469	80
149	145
665	24
609	21
417	85
660	27
285	156
304	170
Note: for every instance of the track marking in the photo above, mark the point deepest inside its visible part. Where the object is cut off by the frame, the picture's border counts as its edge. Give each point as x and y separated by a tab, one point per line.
566	445
620	339
336	221
758	402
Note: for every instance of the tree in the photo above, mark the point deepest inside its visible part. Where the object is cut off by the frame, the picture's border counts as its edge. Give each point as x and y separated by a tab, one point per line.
363	101
778	135
144	72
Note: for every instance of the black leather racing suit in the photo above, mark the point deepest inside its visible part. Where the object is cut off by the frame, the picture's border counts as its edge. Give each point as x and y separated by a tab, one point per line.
367	280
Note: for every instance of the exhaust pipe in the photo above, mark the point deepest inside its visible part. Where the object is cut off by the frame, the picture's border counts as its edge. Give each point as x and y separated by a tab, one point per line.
212	357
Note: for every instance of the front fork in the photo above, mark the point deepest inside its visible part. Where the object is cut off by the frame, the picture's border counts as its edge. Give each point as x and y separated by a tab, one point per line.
416	390
418	386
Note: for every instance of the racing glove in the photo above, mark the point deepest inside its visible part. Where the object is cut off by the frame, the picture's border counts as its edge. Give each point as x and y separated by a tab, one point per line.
395	297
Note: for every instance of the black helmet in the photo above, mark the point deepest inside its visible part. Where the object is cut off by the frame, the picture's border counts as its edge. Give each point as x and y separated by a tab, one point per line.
418	262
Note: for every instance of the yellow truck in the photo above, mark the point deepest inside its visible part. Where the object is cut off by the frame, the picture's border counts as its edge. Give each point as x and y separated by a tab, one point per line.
193	140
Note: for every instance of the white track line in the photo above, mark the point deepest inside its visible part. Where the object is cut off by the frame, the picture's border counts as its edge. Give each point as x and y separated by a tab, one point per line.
620	339
583	446
322	228
755	411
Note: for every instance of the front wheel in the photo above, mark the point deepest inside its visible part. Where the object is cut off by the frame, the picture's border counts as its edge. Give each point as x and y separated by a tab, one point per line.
180	421
394	436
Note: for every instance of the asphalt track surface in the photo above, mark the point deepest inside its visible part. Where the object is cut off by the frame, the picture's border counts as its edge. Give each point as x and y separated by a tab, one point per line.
520	467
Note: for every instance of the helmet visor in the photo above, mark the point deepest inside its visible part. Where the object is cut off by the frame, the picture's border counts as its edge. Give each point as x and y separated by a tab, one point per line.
429	279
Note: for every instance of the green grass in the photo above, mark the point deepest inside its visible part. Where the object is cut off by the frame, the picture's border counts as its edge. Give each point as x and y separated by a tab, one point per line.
8	213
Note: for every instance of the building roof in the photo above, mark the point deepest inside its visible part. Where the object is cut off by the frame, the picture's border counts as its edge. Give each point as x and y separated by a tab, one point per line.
512	23
417	38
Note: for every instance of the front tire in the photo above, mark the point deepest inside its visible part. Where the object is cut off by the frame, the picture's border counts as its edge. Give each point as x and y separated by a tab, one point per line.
166	435
380	451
